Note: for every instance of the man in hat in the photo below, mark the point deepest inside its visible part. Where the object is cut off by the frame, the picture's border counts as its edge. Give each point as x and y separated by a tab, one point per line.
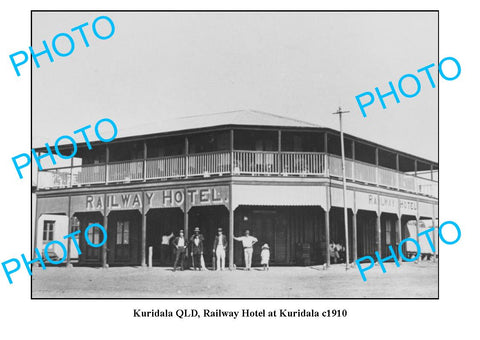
196	251
180	244
219	249
200	239
196	232
247	242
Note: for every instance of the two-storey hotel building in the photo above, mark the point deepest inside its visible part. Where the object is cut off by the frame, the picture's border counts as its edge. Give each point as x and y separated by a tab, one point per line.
279	177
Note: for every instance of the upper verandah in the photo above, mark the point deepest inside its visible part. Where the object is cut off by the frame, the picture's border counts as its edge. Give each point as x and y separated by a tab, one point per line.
195	125
248	143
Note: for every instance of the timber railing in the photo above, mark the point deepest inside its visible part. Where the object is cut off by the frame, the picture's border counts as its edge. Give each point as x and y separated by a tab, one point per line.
237	162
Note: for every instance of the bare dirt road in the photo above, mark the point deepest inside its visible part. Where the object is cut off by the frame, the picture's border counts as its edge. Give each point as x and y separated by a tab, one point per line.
410	280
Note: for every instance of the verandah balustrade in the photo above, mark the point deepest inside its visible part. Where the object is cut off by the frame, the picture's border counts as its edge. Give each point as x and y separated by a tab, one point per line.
237	162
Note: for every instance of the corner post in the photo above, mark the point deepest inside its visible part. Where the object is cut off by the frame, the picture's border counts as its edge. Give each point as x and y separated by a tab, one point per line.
354	236
279	155
232	164
186	156
398	234
230	229
105	226
378	233
185	214
143	244
353	163
69	242
327	225
107	159
434	237
144	162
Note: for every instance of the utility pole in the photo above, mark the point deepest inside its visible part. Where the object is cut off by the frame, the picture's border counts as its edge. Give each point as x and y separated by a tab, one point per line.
345	209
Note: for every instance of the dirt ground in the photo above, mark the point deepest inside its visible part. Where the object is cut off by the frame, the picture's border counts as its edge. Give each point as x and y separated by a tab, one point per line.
410	280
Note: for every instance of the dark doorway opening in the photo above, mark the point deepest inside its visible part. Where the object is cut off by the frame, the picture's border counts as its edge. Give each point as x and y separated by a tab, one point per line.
124	237
163	222
209	219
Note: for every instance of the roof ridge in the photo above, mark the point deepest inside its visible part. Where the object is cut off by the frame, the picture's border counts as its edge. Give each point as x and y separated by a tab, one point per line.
248	110
208	114
284	117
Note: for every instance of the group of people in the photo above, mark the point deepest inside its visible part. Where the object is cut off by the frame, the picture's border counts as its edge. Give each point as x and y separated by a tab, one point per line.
195	247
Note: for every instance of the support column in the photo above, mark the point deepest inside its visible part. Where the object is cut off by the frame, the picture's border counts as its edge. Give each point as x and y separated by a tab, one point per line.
378	234
397	167
417	219
186	160
70	185
105	226
36	216
434	237
231	213
354	236
353	161
69	242
143	244
144	161
232	142
107	159
327	234
398	235
327	222
185	215
279	155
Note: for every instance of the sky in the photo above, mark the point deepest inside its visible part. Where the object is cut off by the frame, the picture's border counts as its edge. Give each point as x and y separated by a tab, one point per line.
303	65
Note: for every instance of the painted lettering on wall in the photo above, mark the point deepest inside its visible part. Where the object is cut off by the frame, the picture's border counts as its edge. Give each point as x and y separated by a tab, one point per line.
407	206
217	195
118	201
385	202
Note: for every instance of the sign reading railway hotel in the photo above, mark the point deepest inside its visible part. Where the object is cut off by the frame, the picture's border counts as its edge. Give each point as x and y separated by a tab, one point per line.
168	198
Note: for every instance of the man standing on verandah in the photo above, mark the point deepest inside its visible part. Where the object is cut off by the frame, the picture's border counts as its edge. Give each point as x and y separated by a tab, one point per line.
247	242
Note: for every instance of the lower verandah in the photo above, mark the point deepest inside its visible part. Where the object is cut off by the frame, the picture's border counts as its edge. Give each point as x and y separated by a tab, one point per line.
296	235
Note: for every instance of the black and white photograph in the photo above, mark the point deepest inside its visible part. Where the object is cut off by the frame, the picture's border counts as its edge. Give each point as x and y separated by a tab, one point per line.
231	146
270	170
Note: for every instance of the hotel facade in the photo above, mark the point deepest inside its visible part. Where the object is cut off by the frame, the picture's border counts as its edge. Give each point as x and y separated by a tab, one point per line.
279	177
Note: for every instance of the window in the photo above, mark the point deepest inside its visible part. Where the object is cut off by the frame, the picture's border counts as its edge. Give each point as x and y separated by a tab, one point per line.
94	235
123	232
48	231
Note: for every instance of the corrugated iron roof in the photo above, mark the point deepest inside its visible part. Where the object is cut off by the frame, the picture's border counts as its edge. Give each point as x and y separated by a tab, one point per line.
239	117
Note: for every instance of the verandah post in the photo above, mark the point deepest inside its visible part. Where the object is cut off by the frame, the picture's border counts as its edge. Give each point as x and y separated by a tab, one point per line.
230	228
105	226
143	244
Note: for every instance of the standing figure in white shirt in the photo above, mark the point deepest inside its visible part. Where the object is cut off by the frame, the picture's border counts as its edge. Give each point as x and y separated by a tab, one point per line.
247	242
165	250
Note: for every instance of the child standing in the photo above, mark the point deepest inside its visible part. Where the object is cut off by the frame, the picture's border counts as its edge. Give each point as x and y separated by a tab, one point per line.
265	255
